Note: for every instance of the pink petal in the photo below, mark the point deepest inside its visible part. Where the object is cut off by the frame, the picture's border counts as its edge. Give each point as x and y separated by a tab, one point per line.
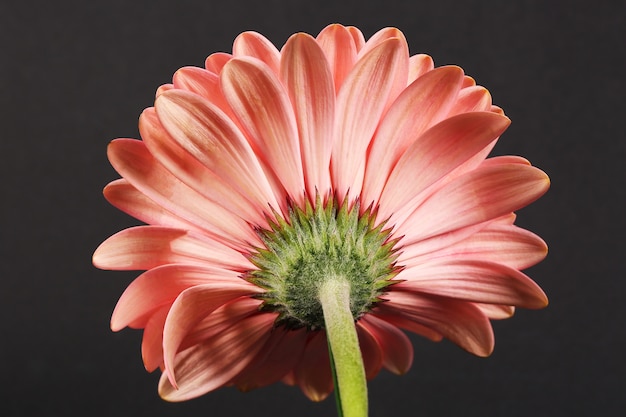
211	137
313	374
399	319
433	155
381	36
263	108
338	45
472	99
433	94
308	80
216	61
370	351
255	45
202	82
152	341
162	285
472	280
468	82
357	36
212	364
476	197
135	163
419	65
360	105
495	311
162	89
146	247
396	347
461	322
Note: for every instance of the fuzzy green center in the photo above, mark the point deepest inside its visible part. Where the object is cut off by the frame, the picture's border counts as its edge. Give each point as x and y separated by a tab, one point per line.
313	245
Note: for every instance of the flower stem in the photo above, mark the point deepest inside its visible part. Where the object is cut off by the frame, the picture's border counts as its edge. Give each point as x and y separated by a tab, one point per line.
346	360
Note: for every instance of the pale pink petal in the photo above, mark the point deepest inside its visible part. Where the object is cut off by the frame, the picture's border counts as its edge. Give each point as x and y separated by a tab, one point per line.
398	319
255	45
357	36
433	155
313	374
162	89
472	280
419	65
433	94
471	99
279	356
495	311
263	108
216	61
162	285
468	82
308	80
476	197
152	340
146	247
370	351
212	364
461	322
360	105
135	163
212	138
202	82
338	45
504	160
396	347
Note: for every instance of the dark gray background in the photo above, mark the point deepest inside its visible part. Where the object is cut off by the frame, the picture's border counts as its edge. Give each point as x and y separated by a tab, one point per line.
76	74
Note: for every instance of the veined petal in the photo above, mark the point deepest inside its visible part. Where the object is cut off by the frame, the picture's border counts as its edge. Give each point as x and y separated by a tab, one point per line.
313	374
476	197
263	108
340	49
162	285
472	99
216	61
202	82
419	65
395	345
461	322
152	340
433	94
210	365
255	45
357	36
360	105
495	311
305	73
146	247
472	280
436	153
211	137
370	350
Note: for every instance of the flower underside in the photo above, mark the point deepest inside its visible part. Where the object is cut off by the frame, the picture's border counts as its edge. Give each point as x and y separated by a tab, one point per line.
317	243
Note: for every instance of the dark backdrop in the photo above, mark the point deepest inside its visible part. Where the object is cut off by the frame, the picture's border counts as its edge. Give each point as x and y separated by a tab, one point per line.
76	74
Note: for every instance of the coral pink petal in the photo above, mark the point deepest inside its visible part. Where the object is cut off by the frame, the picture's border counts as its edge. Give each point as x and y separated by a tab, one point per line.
360	105
278	357
460	322
396	347
216	61
212	138
338	45
381	36
255	45
436	153
504	244
162	285
472	280
212	364
471	99
192	306
152	341
468	82
162	89
202	82
135	163
478	196
370	351
419	65
313	374
357	36
433	94
263	108
398	319
146	247
308	80
495	311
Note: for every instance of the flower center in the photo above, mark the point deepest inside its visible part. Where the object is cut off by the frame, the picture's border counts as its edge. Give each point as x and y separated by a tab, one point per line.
317	243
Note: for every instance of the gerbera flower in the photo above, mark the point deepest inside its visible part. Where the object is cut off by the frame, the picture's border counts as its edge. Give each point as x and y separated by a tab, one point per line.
277	186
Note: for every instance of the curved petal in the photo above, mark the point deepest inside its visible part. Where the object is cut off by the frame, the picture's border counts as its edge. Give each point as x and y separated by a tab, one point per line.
461	322
472	280
202	82
471	99
152	340
255	45
396	347
370	351
495	311
212	138
164	284
357	36
476	197
436	153
419	65
308	80
146	247
360	105
313	374
216	61
210	365
433	94
340	49
263	108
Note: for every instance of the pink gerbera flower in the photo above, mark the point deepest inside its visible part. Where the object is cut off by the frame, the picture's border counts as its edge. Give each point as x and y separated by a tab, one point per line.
269	174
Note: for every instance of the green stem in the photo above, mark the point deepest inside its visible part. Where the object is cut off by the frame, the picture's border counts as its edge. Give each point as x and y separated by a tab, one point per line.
348	370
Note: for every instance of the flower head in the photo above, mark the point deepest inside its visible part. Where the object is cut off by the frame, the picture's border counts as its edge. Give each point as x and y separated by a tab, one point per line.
269	171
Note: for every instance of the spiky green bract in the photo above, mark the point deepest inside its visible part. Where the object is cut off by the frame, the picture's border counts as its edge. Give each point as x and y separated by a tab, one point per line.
317	242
